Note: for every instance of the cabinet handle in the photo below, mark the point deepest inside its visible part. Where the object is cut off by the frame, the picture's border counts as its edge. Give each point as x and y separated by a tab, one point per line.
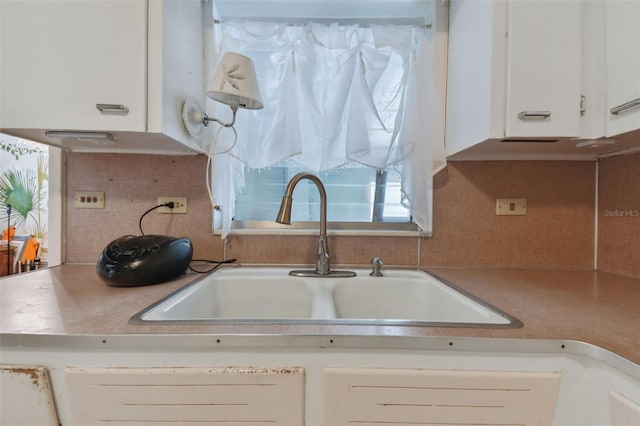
538	115
621	108
112	108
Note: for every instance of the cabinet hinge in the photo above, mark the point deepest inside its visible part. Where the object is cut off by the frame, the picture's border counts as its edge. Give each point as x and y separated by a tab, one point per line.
583	105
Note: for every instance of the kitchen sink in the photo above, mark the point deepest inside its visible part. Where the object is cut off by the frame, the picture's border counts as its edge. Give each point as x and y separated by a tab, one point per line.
270	294
410	297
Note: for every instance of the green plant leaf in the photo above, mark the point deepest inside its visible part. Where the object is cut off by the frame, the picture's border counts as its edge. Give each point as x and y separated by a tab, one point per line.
18	188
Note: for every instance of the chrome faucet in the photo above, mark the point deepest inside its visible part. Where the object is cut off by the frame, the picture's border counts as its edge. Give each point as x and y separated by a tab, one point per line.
322	252
376	265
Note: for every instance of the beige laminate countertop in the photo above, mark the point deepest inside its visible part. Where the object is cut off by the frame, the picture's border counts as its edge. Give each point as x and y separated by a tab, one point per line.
593	307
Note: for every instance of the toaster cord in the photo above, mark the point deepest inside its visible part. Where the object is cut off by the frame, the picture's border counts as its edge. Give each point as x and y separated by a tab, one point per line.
170	204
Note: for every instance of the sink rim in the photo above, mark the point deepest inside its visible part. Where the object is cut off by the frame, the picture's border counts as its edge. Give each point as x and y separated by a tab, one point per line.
512	322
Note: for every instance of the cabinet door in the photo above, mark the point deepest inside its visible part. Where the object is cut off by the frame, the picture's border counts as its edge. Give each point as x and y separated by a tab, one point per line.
453	397
26	396
61	58
543	82
624	412
190	395
622	32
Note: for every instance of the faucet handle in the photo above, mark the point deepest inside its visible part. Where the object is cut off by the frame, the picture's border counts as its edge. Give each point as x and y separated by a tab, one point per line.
376	265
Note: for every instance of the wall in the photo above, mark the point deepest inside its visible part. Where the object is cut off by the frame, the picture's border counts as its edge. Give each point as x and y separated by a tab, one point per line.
557	232
619	215
132	184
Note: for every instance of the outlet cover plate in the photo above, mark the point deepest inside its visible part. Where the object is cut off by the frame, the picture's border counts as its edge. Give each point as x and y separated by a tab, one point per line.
89	199
180	205
511	206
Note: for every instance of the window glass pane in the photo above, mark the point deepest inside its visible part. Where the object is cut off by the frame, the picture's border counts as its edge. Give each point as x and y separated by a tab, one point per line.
351	195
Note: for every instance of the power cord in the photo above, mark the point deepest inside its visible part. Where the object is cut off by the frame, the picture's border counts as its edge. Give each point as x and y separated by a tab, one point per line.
170	204
217	263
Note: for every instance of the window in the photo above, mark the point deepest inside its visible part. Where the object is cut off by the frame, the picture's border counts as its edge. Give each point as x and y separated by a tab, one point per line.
29	173
354	194
353	104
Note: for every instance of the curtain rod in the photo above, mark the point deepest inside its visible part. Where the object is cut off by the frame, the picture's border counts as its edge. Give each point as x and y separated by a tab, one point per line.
302	21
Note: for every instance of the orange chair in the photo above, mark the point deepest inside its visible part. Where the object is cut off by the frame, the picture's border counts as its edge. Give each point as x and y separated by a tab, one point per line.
30	246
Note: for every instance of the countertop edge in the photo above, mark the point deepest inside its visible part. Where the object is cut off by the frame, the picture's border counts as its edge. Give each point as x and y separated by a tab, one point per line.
190	342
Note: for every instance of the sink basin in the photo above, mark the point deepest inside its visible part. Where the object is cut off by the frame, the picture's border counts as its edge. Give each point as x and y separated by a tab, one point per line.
411	298
249	295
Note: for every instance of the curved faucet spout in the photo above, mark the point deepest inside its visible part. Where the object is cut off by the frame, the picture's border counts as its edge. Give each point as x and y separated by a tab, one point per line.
322	253
284	216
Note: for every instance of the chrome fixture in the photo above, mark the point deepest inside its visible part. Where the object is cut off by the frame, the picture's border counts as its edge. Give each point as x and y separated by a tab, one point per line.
624	107
112	108
376	265
536	115
322	252
234	83
81	135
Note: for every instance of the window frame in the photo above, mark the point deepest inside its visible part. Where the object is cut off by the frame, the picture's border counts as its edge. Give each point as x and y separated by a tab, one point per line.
436	16
378	229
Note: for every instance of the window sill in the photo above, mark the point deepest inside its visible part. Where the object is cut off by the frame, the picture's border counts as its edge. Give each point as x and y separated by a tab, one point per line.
359	229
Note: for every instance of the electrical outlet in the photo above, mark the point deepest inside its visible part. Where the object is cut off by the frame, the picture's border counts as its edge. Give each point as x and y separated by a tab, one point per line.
179	207
89	199
511	206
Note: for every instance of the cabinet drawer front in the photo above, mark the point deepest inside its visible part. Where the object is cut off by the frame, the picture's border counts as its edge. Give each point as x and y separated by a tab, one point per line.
175	396
412	396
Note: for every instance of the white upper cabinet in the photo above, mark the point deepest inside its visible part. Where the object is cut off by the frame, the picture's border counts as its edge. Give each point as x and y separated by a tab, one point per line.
122	67
622	35
514	72
543	69
61	59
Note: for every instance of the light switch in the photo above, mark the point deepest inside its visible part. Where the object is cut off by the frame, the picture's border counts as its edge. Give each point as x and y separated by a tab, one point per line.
511	206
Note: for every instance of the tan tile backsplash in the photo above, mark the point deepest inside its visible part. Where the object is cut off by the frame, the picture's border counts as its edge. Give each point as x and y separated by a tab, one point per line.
557	232
619	215
400	251
132	183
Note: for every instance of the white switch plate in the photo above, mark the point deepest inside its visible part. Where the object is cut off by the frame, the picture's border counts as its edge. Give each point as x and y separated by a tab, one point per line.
511	206
89	199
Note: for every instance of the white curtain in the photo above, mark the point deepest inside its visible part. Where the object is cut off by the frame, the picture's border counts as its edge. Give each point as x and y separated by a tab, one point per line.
333	95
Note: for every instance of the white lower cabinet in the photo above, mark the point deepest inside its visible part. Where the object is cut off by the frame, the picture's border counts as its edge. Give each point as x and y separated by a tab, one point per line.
26	398
178	396
624	411
337	380
452	397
